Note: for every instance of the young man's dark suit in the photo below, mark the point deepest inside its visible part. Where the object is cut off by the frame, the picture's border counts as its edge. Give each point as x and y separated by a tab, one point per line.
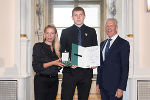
79	77
113	71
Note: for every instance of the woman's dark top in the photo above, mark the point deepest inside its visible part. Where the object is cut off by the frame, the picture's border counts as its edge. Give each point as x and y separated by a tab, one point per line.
42	54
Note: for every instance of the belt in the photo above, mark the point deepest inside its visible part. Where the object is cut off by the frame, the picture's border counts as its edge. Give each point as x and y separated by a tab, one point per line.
49	76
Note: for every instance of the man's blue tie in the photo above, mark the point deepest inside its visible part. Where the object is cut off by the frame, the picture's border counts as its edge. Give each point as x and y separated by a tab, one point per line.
79	37
107	47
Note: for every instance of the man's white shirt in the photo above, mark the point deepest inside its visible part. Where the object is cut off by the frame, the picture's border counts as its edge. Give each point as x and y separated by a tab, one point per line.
111	42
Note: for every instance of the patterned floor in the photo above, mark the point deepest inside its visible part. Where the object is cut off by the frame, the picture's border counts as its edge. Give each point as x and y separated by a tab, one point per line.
93	94
91	97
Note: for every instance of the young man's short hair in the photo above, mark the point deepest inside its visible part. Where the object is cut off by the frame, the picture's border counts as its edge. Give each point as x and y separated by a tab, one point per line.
78	9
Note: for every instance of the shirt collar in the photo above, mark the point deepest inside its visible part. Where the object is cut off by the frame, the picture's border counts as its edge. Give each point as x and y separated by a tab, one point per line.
114	37
46	45
82	27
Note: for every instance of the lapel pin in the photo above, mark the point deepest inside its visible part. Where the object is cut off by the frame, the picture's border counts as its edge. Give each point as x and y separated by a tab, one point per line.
86	34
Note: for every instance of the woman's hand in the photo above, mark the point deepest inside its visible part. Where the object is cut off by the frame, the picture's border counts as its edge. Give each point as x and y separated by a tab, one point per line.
58	63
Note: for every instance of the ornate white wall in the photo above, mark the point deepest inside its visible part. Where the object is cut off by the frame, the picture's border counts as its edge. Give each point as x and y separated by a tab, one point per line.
15	57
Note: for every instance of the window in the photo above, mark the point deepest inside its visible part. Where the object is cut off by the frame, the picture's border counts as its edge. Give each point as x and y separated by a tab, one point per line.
61	14
92	17
62	17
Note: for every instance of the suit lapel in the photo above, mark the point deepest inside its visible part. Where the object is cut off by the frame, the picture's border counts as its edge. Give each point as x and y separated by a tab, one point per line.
101	50
103	45
113	46
74	33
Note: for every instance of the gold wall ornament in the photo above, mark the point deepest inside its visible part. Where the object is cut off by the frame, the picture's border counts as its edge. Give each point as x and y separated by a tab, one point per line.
130	35
23	35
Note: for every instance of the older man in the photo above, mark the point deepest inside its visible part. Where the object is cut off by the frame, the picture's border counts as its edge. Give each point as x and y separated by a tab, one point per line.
113	72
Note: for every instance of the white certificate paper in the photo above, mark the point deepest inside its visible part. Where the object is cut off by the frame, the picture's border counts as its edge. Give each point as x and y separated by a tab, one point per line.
90	56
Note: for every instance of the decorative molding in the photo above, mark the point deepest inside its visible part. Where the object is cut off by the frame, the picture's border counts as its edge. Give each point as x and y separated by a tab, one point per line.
130	35
112	8
14	77
141	77
24	70
23	35
39	19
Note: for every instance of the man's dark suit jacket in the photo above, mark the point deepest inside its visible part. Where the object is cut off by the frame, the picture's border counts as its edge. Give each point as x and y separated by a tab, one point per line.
70	35
113	72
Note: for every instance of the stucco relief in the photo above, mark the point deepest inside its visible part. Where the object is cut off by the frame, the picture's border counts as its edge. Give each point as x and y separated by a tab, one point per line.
39	20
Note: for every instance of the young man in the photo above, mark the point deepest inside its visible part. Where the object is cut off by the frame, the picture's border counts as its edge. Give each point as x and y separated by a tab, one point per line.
113	71
73	76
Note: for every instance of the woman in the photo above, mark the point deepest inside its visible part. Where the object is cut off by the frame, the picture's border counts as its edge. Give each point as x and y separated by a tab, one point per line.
46	63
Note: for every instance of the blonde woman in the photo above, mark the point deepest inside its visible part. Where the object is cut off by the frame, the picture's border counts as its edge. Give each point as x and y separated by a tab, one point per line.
46	63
